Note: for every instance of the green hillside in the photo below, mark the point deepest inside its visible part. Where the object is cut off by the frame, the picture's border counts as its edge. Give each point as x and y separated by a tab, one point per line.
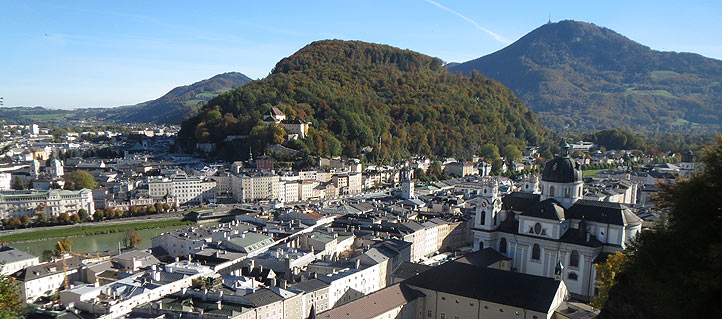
581	77
357	95
179	104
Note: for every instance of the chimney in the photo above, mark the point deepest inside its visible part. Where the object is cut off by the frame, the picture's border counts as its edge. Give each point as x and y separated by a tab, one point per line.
282	283
205	294
358	263
219	305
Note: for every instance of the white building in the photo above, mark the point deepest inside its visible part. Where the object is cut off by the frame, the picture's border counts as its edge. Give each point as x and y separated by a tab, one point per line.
255	187
53	202
5	181
12	260
183	189
541	232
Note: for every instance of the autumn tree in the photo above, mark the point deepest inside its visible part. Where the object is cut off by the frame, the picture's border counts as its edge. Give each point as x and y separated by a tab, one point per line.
64	245
131	238
83	214
25	220
11	304
606	273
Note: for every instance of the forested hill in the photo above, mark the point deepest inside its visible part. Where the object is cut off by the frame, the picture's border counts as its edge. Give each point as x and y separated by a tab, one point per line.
358	94
179	103
579	76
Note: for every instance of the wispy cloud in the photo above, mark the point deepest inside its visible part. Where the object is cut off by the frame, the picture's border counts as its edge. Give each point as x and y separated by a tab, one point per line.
487	31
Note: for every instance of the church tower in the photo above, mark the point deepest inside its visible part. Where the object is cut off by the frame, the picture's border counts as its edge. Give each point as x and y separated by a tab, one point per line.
530	184
562	179
487	215
407	186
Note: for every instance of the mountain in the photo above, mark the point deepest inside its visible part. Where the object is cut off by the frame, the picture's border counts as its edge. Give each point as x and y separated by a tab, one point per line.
579	76
359	96
180	103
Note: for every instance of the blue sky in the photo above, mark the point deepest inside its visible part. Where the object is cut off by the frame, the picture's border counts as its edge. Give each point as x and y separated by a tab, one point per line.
68	54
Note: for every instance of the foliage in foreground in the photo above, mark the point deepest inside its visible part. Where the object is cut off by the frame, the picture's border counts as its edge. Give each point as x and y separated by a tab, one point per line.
675	270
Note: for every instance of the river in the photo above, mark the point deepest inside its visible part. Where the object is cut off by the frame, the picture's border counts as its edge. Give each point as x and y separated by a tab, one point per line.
93	243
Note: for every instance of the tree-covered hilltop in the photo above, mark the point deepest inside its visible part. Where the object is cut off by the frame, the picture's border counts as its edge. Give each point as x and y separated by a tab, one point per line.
580	77
357	95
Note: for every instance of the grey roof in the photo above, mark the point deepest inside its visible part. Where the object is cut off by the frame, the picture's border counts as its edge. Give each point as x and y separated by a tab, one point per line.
546	209
310	285
603	212
492	285
519	201
10	255
46	269
263	297
483	258
408	269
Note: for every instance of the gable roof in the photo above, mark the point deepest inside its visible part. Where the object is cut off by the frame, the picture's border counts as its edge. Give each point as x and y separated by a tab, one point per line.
603	212
486	284
546	209
482	258
519	201
375	304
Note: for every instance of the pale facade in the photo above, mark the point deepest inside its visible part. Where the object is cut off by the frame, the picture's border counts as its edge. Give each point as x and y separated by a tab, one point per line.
52	202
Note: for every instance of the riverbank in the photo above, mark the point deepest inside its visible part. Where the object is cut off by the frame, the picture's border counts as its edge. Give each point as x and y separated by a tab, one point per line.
89	230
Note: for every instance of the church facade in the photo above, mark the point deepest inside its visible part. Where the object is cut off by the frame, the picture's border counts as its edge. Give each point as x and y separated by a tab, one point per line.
548	230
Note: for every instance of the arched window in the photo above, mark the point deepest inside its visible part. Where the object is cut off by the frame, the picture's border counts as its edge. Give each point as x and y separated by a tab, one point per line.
574	259
502	246
551	191
572	276
483	217
536	252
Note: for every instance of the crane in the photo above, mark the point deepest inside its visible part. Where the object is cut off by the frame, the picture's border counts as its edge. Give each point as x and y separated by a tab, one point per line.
65	265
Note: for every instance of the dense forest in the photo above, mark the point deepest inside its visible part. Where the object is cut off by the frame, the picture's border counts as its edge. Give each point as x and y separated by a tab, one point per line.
580	77
367	98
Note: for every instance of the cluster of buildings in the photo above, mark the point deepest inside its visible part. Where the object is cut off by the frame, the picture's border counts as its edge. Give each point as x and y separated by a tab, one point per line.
326	243
376	257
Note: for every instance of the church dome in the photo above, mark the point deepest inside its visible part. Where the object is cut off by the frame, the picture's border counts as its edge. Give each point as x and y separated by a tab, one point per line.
562	169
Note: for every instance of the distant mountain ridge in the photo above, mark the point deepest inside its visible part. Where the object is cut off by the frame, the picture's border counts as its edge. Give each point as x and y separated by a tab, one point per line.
179	103
579	76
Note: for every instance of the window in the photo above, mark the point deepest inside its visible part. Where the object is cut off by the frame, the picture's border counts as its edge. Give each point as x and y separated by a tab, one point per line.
574	259
502	246
443	315
551	191
572	276
536	252
567	192
428	313
483	217
537	228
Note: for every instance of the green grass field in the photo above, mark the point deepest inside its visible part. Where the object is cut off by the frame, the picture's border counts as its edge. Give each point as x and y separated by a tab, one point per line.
89	230
592	172
663	93
662	75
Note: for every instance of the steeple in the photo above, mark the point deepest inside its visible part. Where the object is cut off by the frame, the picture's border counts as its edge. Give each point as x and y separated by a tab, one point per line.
565	148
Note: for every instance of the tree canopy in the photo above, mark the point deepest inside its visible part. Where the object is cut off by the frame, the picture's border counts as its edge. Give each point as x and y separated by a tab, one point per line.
360	96
80	179
674	269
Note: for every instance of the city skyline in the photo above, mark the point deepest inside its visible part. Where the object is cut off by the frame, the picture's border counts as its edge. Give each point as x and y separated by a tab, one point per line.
100	55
